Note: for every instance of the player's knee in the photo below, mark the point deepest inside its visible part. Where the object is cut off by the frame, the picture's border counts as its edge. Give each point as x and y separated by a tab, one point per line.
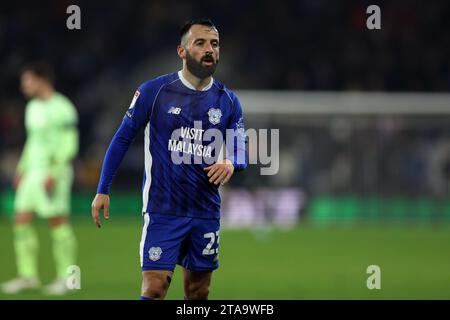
23	218
154	288
197	292
155	292
57	221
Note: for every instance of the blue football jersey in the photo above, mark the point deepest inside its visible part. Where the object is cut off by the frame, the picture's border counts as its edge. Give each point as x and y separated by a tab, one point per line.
180	140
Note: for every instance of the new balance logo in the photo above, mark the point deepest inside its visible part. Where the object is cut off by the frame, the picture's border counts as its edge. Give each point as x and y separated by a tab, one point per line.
174	110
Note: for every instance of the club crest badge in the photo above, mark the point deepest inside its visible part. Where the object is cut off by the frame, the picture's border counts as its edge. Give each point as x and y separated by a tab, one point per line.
154	253
214	115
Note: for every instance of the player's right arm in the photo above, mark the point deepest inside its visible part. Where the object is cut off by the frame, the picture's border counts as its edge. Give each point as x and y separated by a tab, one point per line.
137	116
101	202
21	166
25	158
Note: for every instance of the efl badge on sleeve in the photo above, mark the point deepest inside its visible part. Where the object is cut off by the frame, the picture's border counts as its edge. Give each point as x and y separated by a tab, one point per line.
133	102
129	112
214	115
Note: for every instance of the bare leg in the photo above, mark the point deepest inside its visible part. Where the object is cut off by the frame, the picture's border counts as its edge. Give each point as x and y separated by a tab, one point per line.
196	284
155	283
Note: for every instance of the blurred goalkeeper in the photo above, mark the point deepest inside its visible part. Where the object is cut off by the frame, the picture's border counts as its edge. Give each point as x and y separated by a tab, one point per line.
43	180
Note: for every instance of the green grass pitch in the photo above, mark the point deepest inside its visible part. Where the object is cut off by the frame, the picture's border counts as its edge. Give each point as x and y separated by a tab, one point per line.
307	262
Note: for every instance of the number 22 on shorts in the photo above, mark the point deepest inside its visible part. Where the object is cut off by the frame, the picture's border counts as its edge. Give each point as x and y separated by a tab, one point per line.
209	247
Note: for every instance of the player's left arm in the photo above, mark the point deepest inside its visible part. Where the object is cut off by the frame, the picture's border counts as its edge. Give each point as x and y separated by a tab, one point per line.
67	142
62	145
236	154
220	172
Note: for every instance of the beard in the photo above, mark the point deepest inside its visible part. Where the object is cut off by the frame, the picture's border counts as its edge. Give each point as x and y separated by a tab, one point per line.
198	69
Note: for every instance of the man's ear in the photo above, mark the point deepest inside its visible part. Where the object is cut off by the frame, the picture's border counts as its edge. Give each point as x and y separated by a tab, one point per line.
181	52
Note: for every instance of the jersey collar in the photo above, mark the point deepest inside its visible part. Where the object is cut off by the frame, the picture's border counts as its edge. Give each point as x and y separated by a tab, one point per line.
190	86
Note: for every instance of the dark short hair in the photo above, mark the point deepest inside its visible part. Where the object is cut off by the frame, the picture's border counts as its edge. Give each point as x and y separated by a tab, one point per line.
187	26
42	70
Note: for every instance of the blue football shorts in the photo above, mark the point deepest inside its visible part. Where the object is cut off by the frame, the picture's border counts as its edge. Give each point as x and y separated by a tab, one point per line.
169	240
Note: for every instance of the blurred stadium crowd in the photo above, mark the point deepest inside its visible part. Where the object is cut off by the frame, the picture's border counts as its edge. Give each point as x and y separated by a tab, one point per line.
290	45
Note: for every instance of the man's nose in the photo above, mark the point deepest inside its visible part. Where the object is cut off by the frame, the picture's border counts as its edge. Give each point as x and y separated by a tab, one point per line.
209	48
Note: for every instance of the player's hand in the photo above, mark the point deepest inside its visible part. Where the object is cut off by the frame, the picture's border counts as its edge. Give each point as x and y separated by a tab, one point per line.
101	201
220	172
49	184
16	181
